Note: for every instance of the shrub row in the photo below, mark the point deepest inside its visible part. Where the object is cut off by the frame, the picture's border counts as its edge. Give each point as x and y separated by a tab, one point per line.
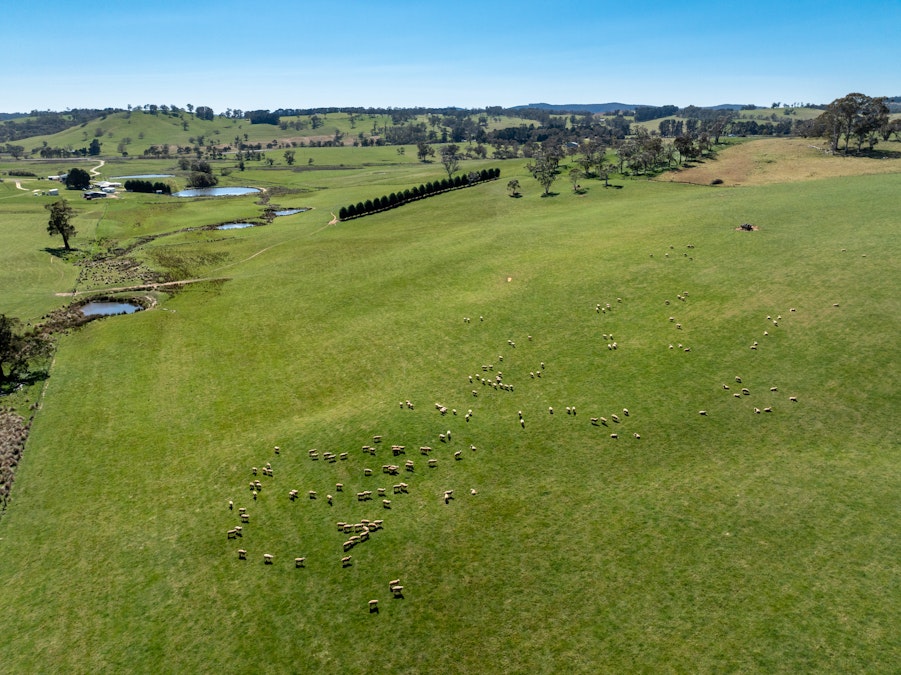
147	186
395	199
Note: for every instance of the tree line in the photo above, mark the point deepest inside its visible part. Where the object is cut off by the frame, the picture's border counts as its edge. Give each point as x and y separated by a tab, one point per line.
135	185
429	189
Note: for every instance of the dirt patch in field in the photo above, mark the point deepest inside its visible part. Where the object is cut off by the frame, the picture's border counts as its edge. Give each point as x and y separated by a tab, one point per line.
783	160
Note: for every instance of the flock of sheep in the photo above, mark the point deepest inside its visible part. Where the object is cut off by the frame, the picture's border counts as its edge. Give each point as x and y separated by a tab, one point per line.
487	379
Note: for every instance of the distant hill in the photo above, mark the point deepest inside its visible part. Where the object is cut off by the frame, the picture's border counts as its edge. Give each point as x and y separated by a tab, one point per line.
578	107
610	107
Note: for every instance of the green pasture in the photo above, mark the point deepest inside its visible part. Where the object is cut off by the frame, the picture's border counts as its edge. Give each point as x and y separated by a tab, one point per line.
731	541
139	130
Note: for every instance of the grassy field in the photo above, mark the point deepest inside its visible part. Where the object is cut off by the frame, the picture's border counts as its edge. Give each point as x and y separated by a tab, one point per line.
731	541
139	130
770	161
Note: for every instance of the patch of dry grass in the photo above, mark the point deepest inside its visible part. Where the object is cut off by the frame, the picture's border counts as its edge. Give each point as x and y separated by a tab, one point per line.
783	160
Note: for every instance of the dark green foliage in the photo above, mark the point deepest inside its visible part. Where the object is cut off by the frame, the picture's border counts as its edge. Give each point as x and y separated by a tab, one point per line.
78	179
396	199
94	148
59	223
135	185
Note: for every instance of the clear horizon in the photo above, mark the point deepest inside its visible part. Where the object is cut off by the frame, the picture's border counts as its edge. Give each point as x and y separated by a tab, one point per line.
469	54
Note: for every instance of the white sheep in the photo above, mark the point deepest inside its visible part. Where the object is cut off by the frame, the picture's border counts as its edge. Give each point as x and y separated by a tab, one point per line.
267	558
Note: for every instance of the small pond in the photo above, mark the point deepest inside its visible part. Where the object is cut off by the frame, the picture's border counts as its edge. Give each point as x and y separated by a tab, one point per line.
146	175
109	308
234	226
289	212
215	192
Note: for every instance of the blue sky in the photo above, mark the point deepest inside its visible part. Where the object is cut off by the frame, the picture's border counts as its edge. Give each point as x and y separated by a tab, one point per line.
280	54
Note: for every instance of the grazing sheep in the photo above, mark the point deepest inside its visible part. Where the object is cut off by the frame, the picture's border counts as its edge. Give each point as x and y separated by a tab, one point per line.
312	494
746	391
239	530
242	554
346	561
341	526
398	591
794	399
242	510
636	435
267	558
376	439
569	410
361	496
278	450
424	450
328	498
378	524
614	418
374	604
343	456
737	395
386	503
245	518
725	386
433	463
254	471
594	421
458	454
614	436
768	409
603	420
299	562
232	534
522	423
292	495
702	412
442	438
367	472
550	410
472	491
231	505
774	388
381	491
475	393
339	487
409	465
626	412
757	411
738	379
348	545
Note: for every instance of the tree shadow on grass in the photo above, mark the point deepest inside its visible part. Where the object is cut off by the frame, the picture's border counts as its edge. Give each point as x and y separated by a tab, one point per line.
12	385
60	252
550	194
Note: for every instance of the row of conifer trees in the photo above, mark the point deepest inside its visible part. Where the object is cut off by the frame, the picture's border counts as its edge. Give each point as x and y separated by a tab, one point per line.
417	192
